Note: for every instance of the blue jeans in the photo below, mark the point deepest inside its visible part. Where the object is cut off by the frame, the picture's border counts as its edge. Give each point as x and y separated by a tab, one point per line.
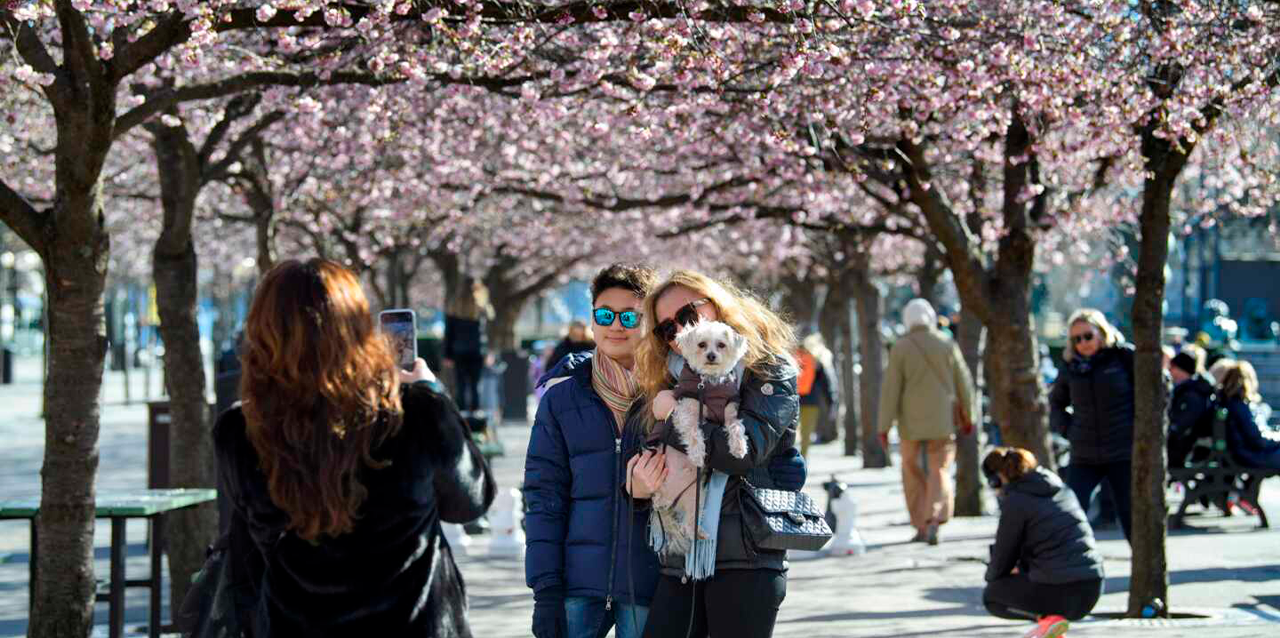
587	618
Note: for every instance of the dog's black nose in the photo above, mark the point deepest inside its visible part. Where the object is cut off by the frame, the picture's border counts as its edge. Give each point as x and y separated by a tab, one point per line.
711	357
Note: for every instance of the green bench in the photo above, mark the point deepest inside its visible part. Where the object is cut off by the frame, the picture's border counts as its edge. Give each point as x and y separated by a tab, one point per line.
119	506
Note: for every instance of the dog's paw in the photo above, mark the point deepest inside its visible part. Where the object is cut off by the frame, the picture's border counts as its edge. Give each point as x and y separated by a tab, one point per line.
697	450
737	439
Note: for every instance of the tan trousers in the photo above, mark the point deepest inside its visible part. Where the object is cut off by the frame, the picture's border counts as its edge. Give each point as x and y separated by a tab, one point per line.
809	415
926	480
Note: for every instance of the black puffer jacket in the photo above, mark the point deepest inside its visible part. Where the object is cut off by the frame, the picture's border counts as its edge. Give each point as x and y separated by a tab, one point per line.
393	575
1044	533
770	410
1099	390
1190	416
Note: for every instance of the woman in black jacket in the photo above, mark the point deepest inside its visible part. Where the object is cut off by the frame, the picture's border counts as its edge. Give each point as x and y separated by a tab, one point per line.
1044	564
465	344
340	468
742	595
1097	384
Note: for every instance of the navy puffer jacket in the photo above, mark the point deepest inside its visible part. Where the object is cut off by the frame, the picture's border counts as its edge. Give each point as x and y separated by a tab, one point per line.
1099	391
582	533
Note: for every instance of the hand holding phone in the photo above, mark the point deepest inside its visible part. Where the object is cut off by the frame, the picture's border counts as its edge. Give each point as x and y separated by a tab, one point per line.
400	325
421	372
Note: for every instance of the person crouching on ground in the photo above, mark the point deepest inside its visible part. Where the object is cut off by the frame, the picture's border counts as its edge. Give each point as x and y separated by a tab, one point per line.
1045	564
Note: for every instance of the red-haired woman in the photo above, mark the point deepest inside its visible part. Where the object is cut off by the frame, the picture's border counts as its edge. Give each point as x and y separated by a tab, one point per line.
340	468
1044	564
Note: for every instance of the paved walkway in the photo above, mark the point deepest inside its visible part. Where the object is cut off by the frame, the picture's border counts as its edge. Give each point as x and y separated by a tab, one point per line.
1224	569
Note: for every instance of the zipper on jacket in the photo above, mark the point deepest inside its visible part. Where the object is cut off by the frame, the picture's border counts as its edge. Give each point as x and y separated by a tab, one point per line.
613	539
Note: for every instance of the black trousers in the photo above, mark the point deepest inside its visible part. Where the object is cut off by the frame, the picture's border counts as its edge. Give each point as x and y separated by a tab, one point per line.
468	371
735	603
1082	479
1018	598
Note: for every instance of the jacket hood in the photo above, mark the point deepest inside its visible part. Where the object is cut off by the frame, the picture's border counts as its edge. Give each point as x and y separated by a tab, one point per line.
1040	482
574	365
918	312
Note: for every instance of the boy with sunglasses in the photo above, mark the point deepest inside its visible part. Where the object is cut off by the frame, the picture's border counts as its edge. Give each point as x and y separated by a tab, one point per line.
588	561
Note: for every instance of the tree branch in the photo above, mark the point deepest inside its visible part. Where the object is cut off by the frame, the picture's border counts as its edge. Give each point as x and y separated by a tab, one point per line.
18	213
236	84
246	138
29	45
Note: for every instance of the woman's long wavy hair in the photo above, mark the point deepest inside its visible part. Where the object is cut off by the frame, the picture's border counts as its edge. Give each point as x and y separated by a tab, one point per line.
319	392
770	338
1240	380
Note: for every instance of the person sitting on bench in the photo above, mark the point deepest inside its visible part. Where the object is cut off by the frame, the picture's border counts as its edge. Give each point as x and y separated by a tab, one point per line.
1190	406
1249	446
1045	564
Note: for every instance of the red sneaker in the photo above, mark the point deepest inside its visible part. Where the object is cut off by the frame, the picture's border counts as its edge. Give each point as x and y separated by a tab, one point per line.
1049	627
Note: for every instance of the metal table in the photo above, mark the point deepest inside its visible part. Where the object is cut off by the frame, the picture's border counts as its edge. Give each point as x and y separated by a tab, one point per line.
119	506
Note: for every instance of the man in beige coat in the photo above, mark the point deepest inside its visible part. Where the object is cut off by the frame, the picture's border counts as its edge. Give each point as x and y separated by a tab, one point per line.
926	375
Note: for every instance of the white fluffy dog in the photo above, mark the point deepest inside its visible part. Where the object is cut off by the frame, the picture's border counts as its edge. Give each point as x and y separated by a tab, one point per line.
711	350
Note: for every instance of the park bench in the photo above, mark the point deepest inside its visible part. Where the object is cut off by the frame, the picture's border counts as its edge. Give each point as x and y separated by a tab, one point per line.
1217	479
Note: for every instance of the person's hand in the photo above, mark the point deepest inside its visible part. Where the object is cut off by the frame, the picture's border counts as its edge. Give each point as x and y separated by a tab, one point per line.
420	372
446	363
549	615
884	441
646	472
664	404
1014	570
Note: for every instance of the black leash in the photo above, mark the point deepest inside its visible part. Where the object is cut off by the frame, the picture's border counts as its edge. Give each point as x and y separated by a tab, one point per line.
697	507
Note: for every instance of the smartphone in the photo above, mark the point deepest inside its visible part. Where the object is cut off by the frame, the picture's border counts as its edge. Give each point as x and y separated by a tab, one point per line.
401	327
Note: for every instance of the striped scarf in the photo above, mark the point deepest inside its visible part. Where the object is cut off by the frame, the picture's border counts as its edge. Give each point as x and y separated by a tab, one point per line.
614	384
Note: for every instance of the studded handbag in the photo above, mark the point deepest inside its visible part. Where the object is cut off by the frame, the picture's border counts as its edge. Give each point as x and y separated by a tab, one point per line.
783	519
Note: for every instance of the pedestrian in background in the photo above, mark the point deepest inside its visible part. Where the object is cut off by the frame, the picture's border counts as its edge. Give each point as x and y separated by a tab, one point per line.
1190	405
465	343
575	340
816	386
340	468
1097	384
1251	442
925	379
1045	564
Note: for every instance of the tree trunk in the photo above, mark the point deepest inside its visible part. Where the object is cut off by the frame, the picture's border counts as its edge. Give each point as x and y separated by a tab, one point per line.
76	267
869	302
849	380
999	294
1017	396
831	317
968	463
174	268
930	274
502	328
1150	579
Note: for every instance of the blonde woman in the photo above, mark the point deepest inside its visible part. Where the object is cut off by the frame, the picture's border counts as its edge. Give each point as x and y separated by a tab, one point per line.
746	586
1097	384
1238	392
464	341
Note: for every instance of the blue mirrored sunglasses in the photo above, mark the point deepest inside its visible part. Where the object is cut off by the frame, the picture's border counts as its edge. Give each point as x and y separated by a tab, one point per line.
604	317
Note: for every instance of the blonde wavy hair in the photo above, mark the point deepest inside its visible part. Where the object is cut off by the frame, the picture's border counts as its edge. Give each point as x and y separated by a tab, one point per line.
770	338
1240	380
1110	335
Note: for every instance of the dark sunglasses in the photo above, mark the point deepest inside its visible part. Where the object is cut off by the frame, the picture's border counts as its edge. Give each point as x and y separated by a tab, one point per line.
604	317
1081	338
685	316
